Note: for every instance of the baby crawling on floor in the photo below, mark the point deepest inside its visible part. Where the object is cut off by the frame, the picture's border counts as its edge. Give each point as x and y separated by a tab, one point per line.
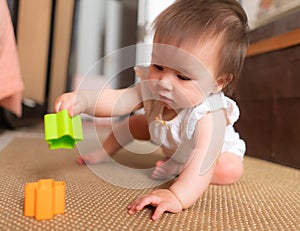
198	51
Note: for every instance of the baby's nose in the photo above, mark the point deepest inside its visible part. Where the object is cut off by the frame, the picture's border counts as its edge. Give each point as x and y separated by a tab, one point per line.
165	85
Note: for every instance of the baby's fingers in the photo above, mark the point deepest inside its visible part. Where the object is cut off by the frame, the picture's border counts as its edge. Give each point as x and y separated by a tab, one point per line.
65	101
140	203
132	207
70	102
57	106
161	208
65	105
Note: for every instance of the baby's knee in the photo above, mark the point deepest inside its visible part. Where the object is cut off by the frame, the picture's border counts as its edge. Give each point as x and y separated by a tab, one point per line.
233	172
229	171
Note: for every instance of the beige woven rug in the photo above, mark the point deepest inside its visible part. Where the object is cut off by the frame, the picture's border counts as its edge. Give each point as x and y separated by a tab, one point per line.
267	197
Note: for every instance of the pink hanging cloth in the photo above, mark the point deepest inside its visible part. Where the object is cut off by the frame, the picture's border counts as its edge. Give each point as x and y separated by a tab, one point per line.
11	85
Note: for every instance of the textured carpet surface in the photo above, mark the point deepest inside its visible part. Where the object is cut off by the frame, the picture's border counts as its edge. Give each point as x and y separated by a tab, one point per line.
266	198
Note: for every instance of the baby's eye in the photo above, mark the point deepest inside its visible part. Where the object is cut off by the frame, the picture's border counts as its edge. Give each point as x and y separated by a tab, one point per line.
183	77
160	68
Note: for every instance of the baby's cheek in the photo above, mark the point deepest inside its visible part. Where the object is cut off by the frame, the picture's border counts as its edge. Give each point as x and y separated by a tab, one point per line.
189	97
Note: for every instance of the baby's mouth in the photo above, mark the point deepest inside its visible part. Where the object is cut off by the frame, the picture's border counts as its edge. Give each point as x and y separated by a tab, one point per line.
165	99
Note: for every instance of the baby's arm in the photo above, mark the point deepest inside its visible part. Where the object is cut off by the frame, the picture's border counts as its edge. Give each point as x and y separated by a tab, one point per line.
209	138
190	184
108	102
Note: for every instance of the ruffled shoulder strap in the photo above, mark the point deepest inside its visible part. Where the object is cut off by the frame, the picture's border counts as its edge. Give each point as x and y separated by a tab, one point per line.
232	110
213	102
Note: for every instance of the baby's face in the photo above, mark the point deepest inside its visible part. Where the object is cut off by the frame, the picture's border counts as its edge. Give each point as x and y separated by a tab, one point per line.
180	78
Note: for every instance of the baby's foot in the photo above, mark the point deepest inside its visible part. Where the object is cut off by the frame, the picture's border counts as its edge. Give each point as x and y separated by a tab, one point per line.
166	168
92	158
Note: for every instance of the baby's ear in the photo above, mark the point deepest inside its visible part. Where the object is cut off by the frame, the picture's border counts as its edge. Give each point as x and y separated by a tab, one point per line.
138	71
222	82
141	71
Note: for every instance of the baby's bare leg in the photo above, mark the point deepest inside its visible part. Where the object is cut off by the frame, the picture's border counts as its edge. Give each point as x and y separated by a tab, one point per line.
229	169
109	146
138	127
166	168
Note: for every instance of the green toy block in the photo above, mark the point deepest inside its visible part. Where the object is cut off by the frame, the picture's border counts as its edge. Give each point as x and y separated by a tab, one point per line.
62	131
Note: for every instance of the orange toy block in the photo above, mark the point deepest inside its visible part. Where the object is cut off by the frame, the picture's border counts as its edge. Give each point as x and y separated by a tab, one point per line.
44	199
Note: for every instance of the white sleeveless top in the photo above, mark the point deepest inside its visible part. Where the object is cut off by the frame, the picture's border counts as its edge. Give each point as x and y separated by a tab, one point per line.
177	134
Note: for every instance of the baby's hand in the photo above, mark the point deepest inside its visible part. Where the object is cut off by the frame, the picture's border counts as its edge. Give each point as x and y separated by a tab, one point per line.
163	199
74	102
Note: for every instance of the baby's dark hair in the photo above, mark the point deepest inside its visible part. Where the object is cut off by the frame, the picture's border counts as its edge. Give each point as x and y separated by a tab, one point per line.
201	20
